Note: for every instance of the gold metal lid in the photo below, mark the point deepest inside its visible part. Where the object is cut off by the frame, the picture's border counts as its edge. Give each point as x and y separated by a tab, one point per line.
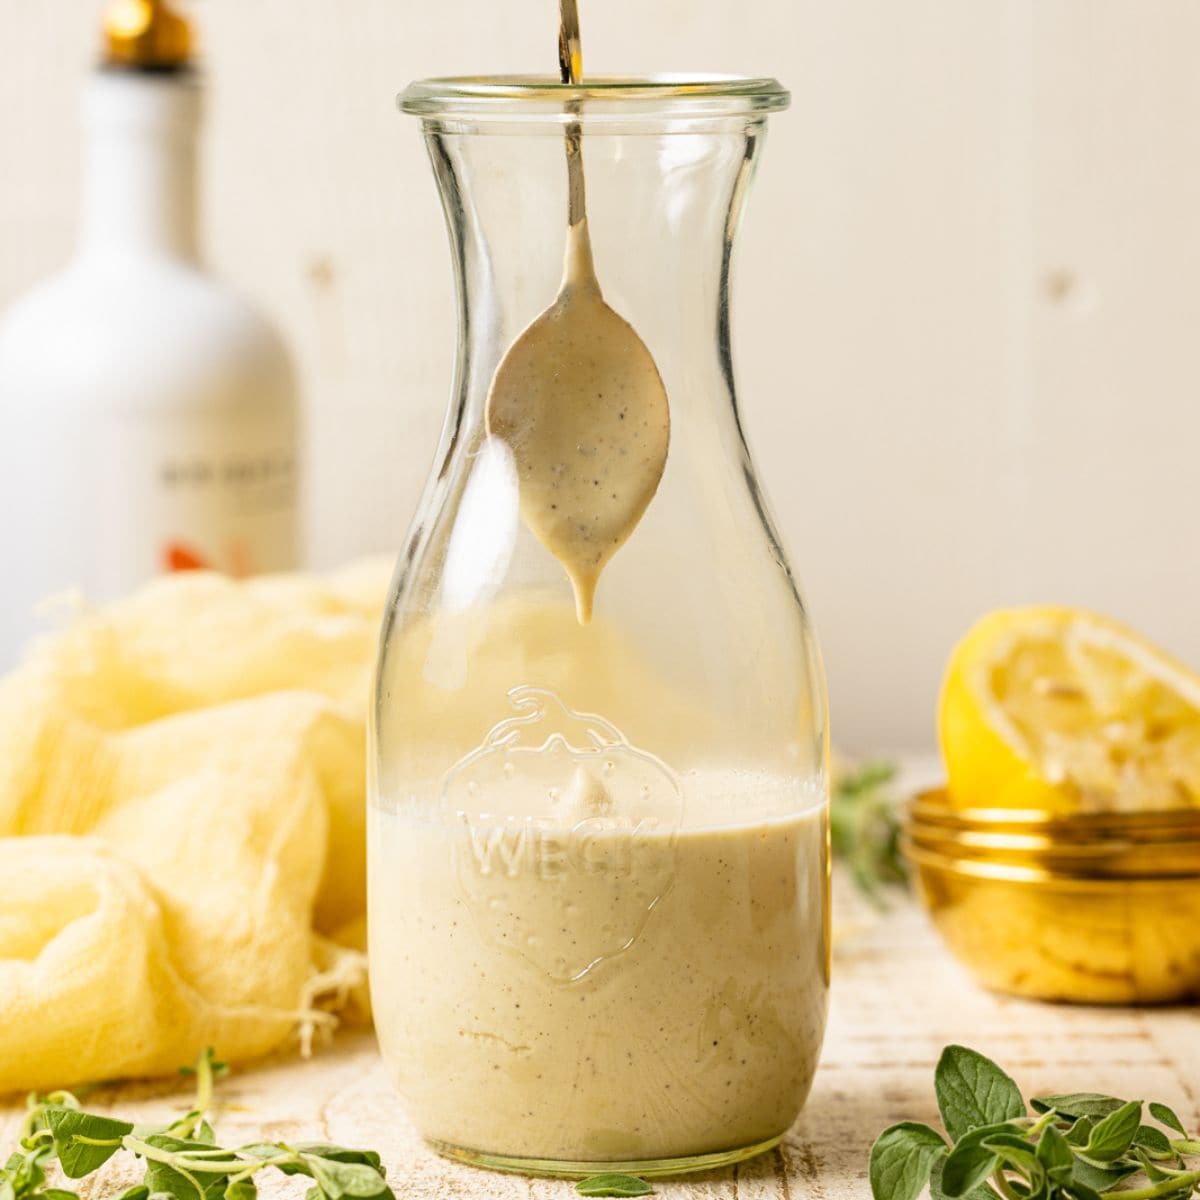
1127	845
1147	825
146	34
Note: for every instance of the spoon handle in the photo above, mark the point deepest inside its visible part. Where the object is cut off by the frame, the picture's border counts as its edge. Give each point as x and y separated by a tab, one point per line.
570	48
570	66
576	195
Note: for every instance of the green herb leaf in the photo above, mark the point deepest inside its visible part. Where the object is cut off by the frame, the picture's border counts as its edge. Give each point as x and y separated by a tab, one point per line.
185	1147
936	1192
1018	1152
206	1058
1079	1133
613	1185
1053	1150
243	1189
970	1162
264	1150
162	1177
78	1158
1166	1116
195	1180
1154	1172
1078	1104
867	778
183	1160
192	1127
1154	1141
902	1159
973	1092
1114	1135
864	829
25	1171
1082	1146
338	1153
1101	1179
337	1179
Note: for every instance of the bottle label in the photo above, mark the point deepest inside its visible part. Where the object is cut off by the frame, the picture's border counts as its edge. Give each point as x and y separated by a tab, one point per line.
195	491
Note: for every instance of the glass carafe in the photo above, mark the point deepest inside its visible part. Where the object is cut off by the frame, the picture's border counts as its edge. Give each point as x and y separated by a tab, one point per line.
599	907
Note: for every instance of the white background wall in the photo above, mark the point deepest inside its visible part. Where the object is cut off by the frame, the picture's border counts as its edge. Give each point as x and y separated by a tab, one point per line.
968	319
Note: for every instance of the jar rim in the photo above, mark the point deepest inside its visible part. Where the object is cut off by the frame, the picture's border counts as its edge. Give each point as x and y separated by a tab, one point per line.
696	94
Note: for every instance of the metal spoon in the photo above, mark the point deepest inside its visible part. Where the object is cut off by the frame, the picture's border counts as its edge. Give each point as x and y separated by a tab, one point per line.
578	398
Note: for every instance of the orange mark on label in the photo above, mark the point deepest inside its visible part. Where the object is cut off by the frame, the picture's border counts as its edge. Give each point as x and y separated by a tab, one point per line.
178	556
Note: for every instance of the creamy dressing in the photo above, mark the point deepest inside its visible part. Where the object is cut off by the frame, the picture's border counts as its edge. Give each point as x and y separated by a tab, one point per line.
567	984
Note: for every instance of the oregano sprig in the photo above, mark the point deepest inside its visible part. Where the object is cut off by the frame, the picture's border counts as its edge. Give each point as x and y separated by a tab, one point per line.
864	828
182	1159
1077	1146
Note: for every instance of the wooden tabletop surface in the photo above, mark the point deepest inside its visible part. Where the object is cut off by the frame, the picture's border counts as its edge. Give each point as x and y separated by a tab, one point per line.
898	998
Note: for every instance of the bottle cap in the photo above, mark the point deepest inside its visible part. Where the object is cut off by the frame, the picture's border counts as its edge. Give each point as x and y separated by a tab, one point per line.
146	34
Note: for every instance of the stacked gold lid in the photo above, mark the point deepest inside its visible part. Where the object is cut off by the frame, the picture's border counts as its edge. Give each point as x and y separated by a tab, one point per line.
1089	907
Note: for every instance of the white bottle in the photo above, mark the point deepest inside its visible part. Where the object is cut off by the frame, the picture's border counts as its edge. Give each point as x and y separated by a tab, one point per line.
148	417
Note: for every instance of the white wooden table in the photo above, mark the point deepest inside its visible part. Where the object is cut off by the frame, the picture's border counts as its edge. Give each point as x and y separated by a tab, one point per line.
898	998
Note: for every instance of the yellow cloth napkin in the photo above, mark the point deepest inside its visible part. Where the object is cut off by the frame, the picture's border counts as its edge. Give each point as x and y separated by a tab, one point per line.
182	820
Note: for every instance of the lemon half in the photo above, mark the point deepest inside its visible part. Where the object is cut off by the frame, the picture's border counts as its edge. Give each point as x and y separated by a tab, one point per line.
1065	711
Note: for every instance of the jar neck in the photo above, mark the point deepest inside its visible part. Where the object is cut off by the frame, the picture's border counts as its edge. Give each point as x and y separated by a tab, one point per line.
663	210
139	165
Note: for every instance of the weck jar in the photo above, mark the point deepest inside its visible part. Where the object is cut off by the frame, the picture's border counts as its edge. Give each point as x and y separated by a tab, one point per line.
599	873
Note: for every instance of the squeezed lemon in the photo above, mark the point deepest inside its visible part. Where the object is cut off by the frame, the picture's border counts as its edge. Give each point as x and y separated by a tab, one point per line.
1063	711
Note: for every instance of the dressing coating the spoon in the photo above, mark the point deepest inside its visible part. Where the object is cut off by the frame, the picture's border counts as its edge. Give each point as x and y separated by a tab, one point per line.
579	401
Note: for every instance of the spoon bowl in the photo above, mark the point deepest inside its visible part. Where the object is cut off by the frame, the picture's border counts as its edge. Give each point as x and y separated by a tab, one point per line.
580	403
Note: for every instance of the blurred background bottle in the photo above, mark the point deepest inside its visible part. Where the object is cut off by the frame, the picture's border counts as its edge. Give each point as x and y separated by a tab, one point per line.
148	416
